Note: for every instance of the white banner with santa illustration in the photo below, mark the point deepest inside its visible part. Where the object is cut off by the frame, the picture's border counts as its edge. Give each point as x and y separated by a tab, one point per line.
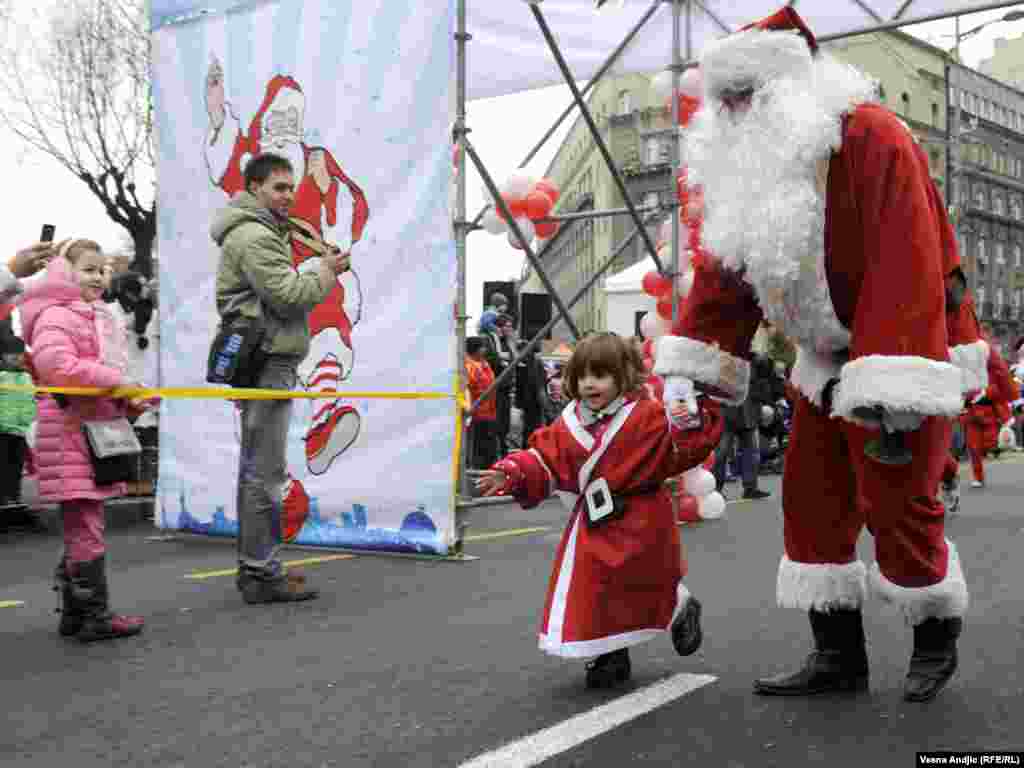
357	94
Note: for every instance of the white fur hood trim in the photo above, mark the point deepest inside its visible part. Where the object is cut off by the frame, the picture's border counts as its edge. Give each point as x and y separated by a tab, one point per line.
945	600
811	372
821	586
972	360
899	383
705	363
755	56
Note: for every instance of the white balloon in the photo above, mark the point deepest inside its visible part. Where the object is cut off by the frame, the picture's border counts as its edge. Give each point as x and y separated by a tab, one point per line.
691	83
526	227
698	482
662	326
493	223
648	325
518	186
711	507
684	283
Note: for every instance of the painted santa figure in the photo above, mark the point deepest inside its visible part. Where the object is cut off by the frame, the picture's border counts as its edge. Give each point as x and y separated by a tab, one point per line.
819	219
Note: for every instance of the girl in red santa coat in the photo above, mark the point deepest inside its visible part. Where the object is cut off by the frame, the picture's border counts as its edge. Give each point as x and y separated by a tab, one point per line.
617	576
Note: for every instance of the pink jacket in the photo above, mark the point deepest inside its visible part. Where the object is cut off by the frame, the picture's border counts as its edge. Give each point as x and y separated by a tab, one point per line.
73	344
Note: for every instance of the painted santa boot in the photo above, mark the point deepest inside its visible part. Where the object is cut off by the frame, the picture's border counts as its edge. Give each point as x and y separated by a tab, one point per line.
89	584
839	662
609	669
934	659
70	609
335	426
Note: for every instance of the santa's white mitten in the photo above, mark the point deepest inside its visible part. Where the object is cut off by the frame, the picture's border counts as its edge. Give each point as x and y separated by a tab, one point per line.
679	389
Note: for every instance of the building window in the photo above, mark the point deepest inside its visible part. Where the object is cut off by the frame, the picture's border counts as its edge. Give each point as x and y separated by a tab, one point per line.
975	103
952	95
1000	254
965	100
982	251
625	103
961	241
1018	256
652	151
1013	119
980	293
997	204
1000	300
1015	207
979	198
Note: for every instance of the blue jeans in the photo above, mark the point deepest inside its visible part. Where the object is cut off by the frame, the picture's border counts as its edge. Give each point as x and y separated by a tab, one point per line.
749	457
262	469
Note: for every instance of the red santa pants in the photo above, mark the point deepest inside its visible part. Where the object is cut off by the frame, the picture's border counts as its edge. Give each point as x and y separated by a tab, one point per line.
831	491
981	431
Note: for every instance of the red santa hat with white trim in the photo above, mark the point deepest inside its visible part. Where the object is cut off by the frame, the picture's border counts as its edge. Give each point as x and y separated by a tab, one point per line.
779	45
283	93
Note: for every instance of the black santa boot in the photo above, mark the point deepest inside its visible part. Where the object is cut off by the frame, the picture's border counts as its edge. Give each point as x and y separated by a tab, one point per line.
934	659
70	609
839	662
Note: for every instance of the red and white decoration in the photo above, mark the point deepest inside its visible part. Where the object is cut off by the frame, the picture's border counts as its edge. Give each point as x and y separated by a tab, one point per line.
530	202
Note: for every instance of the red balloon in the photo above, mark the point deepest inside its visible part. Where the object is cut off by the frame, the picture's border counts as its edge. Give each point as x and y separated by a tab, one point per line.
655	284
648	364
538	205
665	309
549	188
546	229
688	509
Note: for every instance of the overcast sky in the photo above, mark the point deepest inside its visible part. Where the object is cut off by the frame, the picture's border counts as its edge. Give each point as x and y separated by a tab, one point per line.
503	130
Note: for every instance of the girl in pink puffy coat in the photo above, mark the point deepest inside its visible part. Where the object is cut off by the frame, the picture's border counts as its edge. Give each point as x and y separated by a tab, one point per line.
75	341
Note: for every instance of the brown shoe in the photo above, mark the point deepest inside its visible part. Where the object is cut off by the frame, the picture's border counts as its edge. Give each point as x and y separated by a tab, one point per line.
288	588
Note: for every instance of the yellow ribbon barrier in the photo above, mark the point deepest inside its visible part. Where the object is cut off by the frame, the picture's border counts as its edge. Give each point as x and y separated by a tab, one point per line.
225	393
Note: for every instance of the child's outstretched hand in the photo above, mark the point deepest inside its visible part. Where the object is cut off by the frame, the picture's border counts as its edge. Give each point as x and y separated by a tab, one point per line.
491	481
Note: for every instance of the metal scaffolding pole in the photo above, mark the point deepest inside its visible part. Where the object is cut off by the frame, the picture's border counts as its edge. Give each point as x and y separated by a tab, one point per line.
677	70
461	231
536	340
492	188
598	140
608	64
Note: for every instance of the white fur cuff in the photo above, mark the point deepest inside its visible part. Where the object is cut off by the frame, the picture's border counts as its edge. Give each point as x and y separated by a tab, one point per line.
944	600
972	360
704	363
821	586
899	383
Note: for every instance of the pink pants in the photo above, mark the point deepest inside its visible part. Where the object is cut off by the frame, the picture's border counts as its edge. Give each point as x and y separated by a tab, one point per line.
83	530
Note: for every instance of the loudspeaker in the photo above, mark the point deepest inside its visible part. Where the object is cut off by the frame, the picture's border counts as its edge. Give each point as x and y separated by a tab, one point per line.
534	314
505	287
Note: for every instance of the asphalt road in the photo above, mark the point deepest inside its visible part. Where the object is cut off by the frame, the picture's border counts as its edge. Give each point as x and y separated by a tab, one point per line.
414	663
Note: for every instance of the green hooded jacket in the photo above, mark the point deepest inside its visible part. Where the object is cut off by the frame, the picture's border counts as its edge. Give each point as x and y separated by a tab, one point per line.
256	279
17	409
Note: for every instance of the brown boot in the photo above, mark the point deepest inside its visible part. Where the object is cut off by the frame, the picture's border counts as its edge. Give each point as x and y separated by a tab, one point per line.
289	587
839	662
934	659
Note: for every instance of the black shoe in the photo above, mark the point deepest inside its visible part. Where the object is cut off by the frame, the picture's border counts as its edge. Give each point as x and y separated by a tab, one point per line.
687	634
755	493
609	669
934	659
288	588
839	663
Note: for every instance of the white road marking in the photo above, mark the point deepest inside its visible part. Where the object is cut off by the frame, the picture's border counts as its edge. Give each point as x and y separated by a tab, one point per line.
560	738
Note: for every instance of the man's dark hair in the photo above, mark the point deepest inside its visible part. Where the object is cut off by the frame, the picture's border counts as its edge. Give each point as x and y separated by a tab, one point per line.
259	168
474	344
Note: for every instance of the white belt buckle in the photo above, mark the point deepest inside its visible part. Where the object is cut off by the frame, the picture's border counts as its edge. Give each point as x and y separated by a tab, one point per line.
599	500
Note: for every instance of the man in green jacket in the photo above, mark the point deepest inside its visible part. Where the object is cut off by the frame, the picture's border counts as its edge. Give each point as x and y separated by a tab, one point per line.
256	281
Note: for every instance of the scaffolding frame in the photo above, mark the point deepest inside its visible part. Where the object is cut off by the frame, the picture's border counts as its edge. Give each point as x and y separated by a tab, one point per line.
682	20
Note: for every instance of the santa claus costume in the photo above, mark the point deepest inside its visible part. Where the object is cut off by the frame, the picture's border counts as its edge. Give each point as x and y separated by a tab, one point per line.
618	582
819	219
987	413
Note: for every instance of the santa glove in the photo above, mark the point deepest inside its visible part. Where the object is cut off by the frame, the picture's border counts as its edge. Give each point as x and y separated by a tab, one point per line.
679	388
902	421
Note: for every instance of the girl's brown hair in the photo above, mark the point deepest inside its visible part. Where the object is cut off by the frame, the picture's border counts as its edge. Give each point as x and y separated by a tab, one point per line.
604	354
72	249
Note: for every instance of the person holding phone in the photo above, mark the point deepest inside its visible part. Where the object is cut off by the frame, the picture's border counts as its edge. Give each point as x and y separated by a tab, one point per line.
25	263
617	580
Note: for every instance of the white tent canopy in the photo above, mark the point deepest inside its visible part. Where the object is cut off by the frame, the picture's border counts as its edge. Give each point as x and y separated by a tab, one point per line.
508	54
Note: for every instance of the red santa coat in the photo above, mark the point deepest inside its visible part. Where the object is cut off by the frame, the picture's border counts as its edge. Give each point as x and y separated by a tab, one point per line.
617	584
878	328
989	410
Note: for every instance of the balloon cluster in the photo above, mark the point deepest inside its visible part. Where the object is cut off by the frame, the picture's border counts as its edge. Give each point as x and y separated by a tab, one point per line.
691	254
529	201
696	496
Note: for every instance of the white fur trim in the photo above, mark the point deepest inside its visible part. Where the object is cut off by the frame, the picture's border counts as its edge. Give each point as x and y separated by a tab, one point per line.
899	383
572	422
821	586
581	649
706	363
811	372
972	360
753	56
944	600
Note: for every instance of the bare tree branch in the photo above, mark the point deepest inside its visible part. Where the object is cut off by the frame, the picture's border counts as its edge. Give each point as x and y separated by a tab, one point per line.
75	85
